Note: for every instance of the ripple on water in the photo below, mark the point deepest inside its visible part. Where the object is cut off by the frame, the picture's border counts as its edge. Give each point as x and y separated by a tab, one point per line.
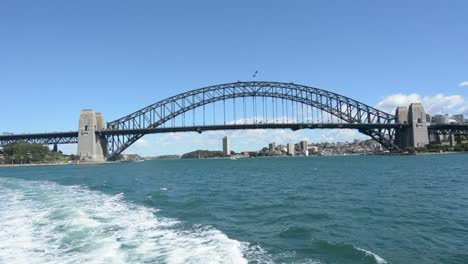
295	232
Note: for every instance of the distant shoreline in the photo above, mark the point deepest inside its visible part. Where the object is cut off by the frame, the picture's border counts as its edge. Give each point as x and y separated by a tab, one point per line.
55	164
239	157
34	164
333	155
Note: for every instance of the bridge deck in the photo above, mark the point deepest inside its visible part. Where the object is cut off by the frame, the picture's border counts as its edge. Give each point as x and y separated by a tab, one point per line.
246	126
71	137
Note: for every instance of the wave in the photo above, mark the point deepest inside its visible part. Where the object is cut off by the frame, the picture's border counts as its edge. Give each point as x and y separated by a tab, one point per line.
377	258
347	251
43	222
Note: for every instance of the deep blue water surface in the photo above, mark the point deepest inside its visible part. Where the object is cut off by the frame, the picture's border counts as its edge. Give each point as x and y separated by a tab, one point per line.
348	209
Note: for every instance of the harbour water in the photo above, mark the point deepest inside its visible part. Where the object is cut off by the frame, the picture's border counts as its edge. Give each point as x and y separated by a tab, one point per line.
344	209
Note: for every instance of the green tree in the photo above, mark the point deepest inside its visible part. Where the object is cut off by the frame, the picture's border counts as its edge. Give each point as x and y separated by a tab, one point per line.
24	152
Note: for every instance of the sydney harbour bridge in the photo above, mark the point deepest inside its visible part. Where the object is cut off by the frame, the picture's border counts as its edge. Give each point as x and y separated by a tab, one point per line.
245	105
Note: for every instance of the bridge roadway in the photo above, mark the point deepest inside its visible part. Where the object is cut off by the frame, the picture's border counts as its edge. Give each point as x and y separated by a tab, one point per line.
71	137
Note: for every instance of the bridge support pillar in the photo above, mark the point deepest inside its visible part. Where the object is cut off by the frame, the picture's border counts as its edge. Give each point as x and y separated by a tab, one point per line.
402	134
415	134
91	148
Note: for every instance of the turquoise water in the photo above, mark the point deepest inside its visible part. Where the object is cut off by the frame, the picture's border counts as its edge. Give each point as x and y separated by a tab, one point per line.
350	209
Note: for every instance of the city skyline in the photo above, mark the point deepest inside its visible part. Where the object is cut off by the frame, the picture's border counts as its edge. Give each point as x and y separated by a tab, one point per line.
322	45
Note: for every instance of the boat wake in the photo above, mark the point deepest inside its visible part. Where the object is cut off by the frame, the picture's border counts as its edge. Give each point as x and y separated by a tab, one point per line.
43	222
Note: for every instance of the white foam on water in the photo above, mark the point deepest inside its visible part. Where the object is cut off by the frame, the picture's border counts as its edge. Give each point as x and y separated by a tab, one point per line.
43	222
377	258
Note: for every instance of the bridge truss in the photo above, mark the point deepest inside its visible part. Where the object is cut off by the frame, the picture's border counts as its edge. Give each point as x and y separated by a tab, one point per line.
53	138
448	129
244	105
250	103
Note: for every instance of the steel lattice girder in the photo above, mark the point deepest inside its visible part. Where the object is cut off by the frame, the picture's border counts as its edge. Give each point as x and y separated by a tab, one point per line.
296	126
448	129
342	107
42	138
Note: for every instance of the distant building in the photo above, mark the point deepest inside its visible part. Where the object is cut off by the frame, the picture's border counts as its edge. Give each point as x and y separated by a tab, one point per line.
440	119
313	150
272	146
428	118
283	148
458	118
226	146
376	146
304	146
290	148
131	157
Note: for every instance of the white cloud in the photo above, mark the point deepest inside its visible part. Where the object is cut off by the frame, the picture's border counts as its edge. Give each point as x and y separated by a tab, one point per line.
436	104
391	102
463	84
341	135
241	140
440	103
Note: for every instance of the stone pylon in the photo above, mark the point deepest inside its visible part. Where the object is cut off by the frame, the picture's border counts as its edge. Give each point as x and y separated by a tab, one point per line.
91	147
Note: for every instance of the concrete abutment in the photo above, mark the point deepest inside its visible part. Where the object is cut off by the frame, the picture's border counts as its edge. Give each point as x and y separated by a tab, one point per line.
415	134
91	147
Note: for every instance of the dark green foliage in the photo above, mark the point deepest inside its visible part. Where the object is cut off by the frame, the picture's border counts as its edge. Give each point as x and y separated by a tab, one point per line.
203	154
23	153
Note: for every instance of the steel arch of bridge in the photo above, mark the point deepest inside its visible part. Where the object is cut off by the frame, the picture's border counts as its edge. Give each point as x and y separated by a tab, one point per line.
155	115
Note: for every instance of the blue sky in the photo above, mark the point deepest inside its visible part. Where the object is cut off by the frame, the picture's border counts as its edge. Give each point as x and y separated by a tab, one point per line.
58	57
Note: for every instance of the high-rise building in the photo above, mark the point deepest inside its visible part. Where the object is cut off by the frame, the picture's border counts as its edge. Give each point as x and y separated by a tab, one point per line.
226	146
290	148
304	145
272	146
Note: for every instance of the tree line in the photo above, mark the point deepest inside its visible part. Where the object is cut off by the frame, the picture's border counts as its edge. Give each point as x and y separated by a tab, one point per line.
27	153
